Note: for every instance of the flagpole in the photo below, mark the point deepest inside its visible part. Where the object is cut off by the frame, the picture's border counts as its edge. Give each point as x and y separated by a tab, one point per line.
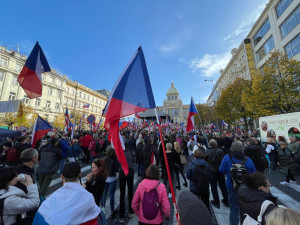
167	166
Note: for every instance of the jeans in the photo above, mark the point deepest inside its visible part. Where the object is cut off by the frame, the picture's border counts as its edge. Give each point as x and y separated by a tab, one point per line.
61	165
234	208
216	178
112	188
44	182
122	183
141	169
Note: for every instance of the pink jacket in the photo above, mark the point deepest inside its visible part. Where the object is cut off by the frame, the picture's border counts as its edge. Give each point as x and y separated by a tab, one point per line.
148	185
92	147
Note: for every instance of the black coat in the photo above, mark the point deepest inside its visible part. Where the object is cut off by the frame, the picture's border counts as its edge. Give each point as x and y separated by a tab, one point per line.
254	152
250	202
147	151
96	187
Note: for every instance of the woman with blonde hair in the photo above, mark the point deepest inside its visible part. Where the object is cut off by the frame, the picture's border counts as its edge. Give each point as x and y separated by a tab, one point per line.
280	216
179	166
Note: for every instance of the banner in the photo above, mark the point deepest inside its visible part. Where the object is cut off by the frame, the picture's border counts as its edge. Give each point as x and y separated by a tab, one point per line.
250	58
9	106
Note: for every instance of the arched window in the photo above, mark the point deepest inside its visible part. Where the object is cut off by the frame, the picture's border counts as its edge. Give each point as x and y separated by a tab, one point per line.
172	97
175	97
169	98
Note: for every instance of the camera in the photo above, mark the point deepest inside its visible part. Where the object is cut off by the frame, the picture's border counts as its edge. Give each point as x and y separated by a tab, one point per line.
21	177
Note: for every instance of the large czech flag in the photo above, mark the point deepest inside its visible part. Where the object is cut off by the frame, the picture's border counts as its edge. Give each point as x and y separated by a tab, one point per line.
30	78
193	111
41	127
131	94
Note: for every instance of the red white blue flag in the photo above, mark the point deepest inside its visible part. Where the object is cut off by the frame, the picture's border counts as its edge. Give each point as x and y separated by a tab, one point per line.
30	78
86	106
41	127
131	94
193	111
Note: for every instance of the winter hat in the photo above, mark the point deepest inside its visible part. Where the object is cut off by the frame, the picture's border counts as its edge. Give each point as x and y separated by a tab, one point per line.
192	210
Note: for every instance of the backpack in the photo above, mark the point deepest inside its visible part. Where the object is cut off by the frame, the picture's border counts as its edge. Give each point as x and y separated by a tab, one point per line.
98	147
200	177
237	171
11	155
264	163
250	221
150	204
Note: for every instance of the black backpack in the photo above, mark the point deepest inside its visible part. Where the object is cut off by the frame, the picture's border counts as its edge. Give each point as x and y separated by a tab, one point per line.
264	163
98	147
237	171
200	177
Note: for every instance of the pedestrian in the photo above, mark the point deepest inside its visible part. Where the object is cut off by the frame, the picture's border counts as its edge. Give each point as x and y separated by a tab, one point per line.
252	194
95	181
179	166
148	154
111	180
141	204
85	146
14	201
286	162
70	204
63	144
74	151
138	155
236	157
214	156
199	174
94	148
280	216
49	164
271	149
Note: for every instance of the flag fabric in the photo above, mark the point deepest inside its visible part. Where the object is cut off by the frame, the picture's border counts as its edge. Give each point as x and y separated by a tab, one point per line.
123	124
131	94
224	124
41	127
67	120
137	115
86	105
30	78
193	111
21	114
73	129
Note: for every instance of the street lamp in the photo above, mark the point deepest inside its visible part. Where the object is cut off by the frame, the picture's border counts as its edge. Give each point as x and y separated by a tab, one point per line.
210	80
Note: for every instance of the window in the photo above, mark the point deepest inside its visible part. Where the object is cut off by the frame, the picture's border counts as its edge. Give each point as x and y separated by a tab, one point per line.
37	102
3	62
71	102
18	67
169	98
290	23
48	103
44	77
92	99
78	104
12	96
88	97
79	94
293	48
67	89
59	94
84	95
49	91
51	80
262	31
65	101
172	97
26	99
1	75
281	7
15	81
58	83
265	49
175	97
73	92
57	106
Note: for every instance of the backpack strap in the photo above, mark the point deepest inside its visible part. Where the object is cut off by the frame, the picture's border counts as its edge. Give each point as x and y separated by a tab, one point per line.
242	162
263	208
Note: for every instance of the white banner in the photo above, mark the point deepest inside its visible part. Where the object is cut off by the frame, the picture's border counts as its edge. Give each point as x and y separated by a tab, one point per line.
9	106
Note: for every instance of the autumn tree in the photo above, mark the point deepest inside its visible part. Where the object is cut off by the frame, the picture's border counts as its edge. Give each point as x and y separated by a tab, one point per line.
205	113
229	106
276	90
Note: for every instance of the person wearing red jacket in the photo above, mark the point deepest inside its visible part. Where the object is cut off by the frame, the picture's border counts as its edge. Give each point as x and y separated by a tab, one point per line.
85	146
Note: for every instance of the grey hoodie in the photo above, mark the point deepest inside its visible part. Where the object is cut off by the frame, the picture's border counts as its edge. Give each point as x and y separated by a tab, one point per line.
17	202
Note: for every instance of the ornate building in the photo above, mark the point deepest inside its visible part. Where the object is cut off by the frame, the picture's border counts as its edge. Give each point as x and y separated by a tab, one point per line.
174	107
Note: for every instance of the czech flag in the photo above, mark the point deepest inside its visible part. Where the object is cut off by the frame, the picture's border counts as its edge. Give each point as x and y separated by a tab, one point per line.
123	124
138	116
193	111
224	124
86	106
131	94
30	78
41	127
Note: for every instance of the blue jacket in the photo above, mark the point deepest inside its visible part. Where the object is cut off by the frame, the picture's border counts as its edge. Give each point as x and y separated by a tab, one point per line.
77	150
226	166
190	173
64	144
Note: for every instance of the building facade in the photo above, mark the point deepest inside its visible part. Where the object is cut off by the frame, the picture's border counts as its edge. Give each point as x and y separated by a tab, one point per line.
58	91
277	28
173	106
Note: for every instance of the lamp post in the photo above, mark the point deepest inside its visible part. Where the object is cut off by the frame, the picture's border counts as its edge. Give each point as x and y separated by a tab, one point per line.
210	80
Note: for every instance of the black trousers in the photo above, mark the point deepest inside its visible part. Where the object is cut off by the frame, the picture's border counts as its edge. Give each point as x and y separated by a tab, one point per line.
123	180
218	177
289	176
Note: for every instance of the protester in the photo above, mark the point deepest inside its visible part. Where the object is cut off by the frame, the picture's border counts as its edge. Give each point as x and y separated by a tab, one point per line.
139	161
74	151
214	156
252	194
63	143
70	204
192	210
148	154
293	145
199	174
236	157
123	180
179	166
271	149
29	158
111	180
16	203
94	148
49	164
95	181
142	207
280	216
85	146
287	165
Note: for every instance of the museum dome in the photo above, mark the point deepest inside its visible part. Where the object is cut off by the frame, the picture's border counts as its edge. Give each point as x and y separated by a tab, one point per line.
172	89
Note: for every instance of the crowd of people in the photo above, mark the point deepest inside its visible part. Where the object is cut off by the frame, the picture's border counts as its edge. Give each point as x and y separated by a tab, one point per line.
201	160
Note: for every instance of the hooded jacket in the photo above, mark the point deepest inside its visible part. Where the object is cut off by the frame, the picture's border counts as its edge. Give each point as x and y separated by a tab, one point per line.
17	202
136	204
250	202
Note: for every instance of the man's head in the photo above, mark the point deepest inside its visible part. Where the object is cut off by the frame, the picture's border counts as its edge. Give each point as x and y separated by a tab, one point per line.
237	147
292	138
71	172
213	143
53	141
29	155
282	144
250	141
169	146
